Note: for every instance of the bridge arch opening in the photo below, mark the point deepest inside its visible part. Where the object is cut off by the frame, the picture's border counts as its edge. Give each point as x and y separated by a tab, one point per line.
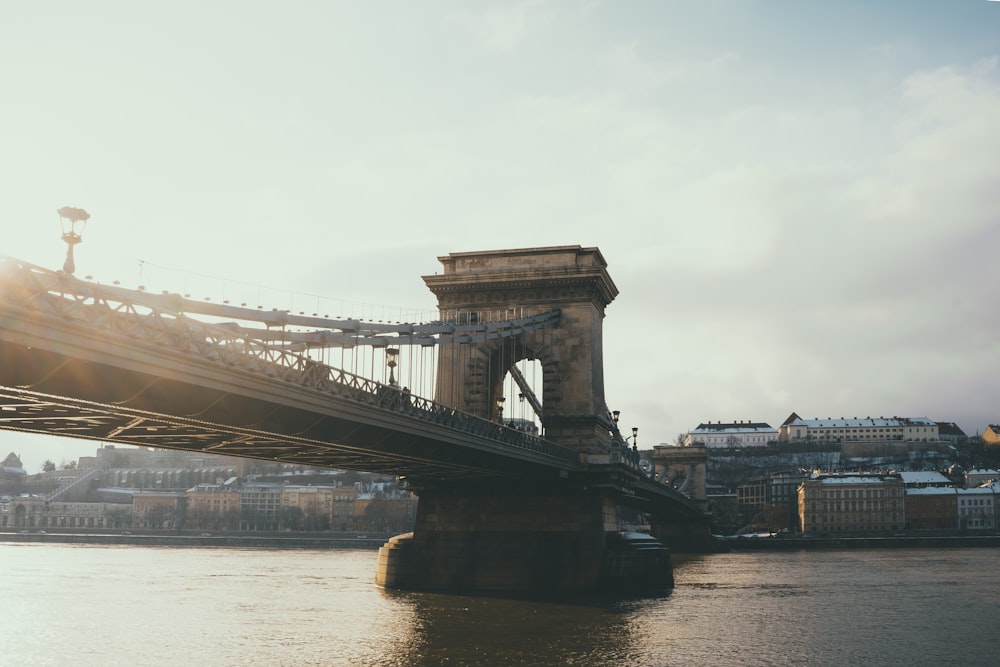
523	393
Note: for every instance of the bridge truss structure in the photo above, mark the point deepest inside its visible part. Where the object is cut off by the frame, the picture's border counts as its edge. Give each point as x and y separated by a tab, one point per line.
275	345
100	362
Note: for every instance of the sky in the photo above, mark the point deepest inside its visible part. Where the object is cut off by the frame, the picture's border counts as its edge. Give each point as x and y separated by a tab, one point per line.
799	202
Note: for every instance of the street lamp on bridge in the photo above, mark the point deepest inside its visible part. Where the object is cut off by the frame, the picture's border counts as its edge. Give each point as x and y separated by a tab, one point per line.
500	402
71	215
390	355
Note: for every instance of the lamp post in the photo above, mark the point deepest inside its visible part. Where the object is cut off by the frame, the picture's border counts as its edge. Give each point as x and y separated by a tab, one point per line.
615	433
71	215
390	360
500	409
635	435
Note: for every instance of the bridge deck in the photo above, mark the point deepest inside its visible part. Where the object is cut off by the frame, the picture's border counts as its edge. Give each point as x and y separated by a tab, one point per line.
226	411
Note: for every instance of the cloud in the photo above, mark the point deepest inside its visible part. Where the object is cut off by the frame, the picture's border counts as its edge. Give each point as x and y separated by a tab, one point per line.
503	27
847	267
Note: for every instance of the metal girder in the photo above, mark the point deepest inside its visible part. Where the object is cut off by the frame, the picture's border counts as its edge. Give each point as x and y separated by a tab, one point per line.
30	412
526	391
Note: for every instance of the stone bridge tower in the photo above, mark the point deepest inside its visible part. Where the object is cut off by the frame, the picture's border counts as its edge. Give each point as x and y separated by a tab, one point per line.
684	469
511	284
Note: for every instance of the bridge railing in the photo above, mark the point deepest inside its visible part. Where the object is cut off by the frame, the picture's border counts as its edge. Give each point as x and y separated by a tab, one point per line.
345	384
148	318
401	401
618	448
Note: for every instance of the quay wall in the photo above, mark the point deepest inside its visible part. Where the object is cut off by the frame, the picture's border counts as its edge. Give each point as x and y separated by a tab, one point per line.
152	540
374	542
897	542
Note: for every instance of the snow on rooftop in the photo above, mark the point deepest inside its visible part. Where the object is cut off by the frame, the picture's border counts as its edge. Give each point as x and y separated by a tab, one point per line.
932	491
733	428
979	490
853	479
923	477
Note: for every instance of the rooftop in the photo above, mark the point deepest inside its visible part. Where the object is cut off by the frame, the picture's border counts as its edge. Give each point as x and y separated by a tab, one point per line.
932	491
856	422
924	477
734	427
854	479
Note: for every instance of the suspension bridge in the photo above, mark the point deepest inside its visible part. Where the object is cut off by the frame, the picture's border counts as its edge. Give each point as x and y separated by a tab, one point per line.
506	502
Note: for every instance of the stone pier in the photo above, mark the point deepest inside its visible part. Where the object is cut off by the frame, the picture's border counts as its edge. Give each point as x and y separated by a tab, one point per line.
507	540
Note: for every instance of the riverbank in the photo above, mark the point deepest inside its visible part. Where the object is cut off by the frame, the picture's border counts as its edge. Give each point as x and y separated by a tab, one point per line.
367	541
894	542
201	540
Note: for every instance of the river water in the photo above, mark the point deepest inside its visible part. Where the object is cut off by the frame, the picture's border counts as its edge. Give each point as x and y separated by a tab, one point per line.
88	605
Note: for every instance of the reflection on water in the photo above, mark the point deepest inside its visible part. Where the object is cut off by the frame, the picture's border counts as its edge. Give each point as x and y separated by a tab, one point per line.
98	605
468	630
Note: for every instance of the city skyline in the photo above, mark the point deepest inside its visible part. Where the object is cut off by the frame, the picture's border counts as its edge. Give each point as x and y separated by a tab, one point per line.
797	203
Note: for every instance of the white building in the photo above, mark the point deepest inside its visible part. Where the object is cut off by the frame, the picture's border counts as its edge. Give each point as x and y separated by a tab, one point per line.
731	434
906	429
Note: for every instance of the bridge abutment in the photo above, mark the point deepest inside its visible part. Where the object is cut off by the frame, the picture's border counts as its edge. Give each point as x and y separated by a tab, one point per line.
685	537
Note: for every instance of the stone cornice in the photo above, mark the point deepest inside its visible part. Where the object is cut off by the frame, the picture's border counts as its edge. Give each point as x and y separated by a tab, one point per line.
549	285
